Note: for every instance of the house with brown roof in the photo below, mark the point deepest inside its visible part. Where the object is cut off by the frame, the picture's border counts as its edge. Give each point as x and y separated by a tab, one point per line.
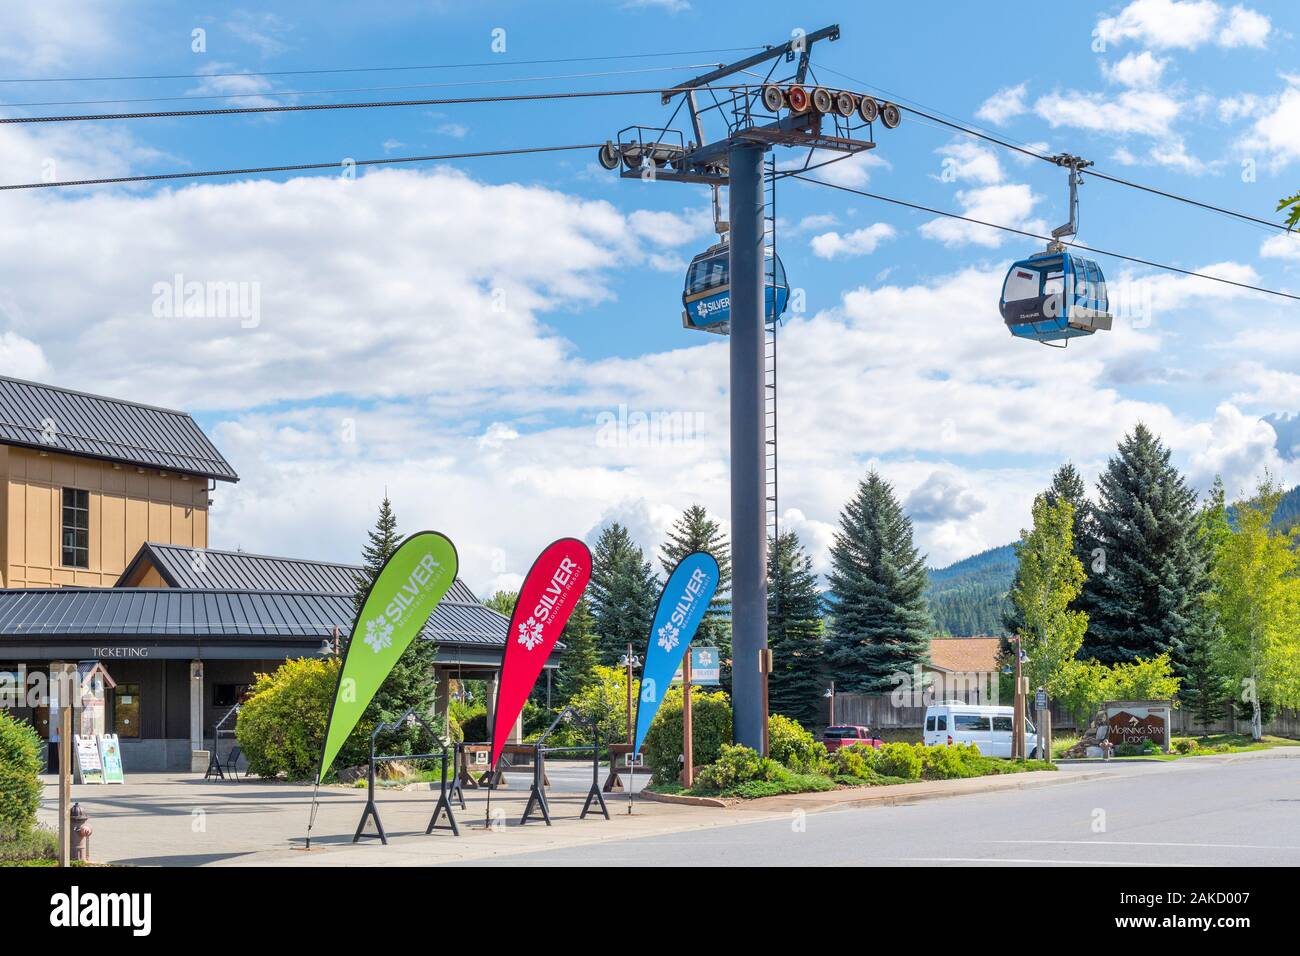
964	668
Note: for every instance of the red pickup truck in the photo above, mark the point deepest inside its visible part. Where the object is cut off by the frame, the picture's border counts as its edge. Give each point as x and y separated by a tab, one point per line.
846	735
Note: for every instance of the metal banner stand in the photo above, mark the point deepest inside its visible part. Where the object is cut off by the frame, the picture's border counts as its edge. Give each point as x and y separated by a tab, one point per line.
444	801
537	792
214	761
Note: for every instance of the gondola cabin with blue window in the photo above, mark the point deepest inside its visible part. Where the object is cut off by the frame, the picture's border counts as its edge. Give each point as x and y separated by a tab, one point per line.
706	299
1055	296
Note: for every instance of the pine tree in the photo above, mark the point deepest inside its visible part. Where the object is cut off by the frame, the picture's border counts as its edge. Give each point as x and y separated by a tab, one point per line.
696	531
503	602
1145	583
578	661
794	632
881	625
1202	691
623	594
411	682
381	541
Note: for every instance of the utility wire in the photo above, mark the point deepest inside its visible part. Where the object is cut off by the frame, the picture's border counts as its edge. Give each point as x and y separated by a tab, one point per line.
357	89
298	167
375	69
971	130
1034	235
308	107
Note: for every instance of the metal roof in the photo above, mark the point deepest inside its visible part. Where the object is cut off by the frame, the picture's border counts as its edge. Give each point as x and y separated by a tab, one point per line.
91	426
207	568
217	614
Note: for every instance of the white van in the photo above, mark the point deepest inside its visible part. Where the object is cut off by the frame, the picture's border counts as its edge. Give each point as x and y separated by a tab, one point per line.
988	728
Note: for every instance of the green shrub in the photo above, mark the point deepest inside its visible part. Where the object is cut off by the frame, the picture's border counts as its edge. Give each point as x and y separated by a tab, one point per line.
736	764
853	762
783	781
36	844
898	760
710	729
20	782
790	745
948	763
1185	745
281	726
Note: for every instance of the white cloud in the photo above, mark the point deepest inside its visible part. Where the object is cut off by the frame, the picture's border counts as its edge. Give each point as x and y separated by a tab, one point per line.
852	170
1137	69
1276	130
1285	245
40	36
1148	112
943	496
261	30
246	88
1239	448
1009	204
966	161
860	242
1185	25
1004	105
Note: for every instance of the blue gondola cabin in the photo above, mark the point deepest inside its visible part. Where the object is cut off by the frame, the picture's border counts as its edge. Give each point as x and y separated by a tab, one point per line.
1055	296
706	298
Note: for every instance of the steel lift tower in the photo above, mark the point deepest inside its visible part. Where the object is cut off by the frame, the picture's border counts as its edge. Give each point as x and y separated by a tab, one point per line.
759	113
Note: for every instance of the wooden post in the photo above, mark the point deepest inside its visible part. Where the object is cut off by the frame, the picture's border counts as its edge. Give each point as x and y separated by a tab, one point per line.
65	769
688	734
1017	711
630	729
1047	733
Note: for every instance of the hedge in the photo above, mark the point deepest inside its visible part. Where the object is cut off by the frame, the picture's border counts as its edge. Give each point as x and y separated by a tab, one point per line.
20	781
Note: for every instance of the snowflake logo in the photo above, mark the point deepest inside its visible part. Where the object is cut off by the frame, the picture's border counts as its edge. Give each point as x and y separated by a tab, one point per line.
379	634
668	636
530	633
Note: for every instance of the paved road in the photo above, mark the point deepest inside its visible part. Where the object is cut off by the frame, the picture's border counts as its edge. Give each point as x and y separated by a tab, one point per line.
1208	811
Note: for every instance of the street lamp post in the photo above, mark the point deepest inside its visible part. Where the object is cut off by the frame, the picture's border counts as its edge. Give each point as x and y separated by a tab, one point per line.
830	695
630	661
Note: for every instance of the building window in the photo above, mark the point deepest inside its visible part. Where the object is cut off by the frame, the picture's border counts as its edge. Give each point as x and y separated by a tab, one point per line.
126	710
76	528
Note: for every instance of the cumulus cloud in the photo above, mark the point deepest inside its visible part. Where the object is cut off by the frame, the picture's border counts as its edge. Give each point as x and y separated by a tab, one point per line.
1285	245
1185	25
1276	129
1004	105
1009	204
1137	69
943	496
860	242
1145	112
40	36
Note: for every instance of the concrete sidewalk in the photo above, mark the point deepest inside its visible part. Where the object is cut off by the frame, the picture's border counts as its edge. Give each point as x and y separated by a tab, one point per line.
182	820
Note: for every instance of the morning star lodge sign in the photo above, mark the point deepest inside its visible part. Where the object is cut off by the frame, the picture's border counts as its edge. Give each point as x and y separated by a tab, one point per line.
547	597
682	604
404	593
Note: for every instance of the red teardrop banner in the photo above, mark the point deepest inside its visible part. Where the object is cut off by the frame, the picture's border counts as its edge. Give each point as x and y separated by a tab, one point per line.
547	597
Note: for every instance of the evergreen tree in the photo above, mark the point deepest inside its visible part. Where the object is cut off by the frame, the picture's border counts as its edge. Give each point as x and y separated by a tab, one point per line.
1145	583
1202	691
580	656
881	624
411	682
794	632
623	594
503	602
381	541
696	531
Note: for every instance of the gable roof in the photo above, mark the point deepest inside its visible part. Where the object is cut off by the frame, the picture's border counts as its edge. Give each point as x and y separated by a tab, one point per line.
208	568
49	418
219	614
975	655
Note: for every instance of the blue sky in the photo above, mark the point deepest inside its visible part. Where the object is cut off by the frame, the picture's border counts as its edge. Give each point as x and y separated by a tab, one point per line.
458	334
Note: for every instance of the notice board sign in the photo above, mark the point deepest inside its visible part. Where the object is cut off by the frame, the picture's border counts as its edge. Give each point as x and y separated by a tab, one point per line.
110	753
90	767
